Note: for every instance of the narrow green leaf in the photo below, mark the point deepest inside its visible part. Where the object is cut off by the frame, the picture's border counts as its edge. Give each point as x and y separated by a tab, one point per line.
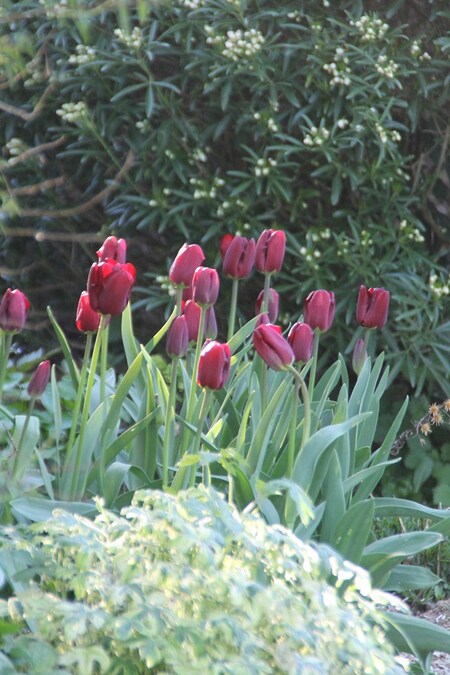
415	635
65	348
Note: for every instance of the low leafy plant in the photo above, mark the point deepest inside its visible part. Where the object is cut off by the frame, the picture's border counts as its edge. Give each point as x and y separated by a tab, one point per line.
186	584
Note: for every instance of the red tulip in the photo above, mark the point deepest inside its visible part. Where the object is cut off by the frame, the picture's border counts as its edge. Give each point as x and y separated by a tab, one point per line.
318	310
13	311
270	249
188	258
262	319
210	324
272	305
224	244
177	338
109	286
205	286
192	313
272	347
40	380
301	339
372	307
114	249
239	257
87	319
214	365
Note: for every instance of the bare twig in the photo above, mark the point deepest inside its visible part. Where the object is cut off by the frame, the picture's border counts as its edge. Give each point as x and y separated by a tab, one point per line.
36	150
23	114
37	187
40	235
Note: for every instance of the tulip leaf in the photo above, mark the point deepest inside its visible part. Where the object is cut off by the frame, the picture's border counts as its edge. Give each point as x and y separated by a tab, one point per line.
38	510
130	344
404	578
394	506
65	348
151	344
353	529
25	438
242	334
334	498
415	635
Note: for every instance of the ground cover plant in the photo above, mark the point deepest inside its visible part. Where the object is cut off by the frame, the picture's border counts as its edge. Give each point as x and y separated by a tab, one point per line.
253	416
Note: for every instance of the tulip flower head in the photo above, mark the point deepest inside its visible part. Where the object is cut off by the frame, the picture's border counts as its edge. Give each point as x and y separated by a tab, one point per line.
87	319
301	339
270	249
40	380
239	257
191	311
318	310
372	307
272	305
177	338
210	324
272	347
13	311
214	365
224	244
205	286
109	286
114	249
188	258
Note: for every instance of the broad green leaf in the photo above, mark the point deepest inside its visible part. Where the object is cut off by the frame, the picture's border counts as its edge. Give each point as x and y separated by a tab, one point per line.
333	494
404	544
130	344
415	635
38	510
405	578
353	529
393	506
26	435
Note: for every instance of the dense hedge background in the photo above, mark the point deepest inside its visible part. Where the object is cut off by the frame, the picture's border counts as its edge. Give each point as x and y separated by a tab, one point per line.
185	120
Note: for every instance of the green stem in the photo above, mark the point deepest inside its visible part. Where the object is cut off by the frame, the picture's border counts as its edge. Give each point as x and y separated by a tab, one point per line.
14	474
265	302
169	427
178	299
292	430
367	334
198	349
198	436
104	362
306	405
6	342
312	372
80	392
233	305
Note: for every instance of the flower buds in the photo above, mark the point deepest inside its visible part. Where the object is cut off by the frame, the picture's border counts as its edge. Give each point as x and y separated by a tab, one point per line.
301	339
13	311
87	319
372	307
318	310
272	346
177	338
214	365
205	286
269	254
359	355
40	380
109	286
188	258
272	305
114	249
239	257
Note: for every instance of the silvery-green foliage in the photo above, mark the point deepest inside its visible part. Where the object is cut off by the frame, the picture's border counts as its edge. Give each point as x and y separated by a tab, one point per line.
188	585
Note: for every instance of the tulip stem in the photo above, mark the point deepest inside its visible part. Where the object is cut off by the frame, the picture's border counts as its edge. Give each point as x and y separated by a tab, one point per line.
292	430
306	405
367	334
266	292
169	424
201	330
104	362
198	436
233	305
80	391
178	299
312	373
6	340
17	464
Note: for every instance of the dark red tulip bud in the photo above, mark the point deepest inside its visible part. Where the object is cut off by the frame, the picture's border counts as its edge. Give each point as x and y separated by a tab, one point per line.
87	319
239	257
272	305
192	313
13	311
224	244
301	339
188	258
272	347
270	248
210	324
318	310
40	380
372	307
205	286
109	286
113	248
262	319
214	365
177	338
359	355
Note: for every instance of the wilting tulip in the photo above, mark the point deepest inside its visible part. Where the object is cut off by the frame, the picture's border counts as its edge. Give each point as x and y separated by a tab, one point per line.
301	339
318	310
109	286
177	338
13	311
87	319
239	258
40	380
272	347
188	258
224	244
214	365
114	249
359	355
270	249
205	286
372	307
272	305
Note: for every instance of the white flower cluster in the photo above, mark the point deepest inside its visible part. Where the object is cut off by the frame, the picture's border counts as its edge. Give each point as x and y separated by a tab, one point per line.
133	40
237	44
311	253
386	67
342	123
226	206
72	112
200	154
205	191
192	4
84	54
416	51
142	126
15	147
338	68
54	9
366	239
295	16
263	166
270	122
387	134
370	27
438	287
317	136
166	285
410	232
